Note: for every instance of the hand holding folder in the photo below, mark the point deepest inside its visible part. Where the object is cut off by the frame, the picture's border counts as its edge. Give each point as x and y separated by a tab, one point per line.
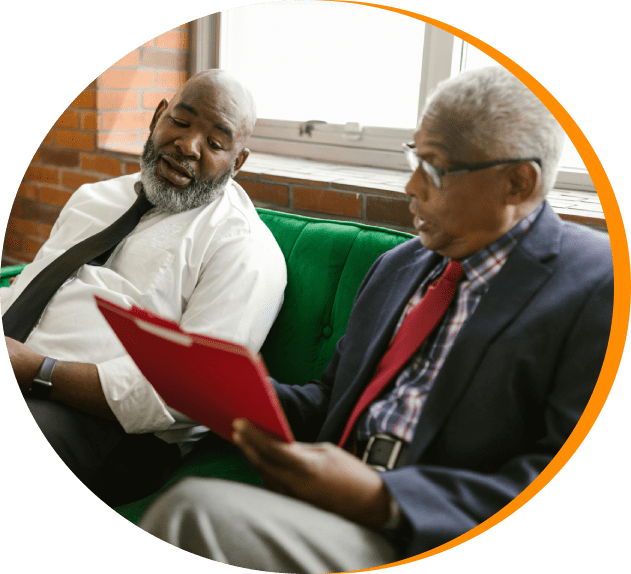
209	380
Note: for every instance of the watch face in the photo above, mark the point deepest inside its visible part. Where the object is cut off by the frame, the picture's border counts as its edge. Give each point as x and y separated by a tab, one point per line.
40	389
41	382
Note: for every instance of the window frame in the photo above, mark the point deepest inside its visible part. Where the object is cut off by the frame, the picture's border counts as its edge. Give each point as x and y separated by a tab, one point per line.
349	143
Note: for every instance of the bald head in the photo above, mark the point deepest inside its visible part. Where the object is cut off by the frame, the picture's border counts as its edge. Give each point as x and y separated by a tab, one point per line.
197	141
219	90
227	92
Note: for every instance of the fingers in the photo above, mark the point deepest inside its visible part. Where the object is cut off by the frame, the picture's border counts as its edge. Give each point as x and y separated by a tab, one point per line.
260	445
321	474
250	454
283	466
269	473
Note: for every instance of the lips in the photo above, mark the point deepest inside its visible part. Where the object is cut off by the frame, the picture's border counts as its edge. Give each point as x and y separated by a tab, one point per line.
174	171
417	221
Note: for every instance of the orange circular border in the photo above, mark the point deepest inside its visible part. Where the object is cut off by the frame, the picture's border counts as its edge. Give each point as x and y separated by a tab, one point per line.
622	279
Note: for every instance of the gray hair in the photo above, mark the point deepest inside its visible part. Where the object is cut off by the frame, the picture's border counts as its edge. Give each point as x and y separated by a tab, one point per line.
497	113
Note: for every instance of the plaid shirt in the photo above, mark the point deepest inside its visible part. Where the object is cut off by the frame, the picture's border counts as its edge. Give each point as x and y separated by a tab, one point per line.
398	412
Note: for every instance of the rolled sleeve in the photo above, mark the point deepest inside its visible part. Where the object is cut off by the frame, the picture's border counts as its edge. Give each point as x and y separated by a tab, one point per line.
133	400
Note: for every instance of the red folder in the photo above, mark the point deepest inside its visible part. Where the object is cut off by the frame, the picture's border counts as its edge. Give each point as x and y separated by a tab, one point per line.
209	380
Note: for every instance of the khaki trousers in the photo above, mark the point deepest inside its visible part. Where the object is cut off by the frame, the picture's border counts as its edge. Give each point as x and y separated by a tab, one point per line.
254	528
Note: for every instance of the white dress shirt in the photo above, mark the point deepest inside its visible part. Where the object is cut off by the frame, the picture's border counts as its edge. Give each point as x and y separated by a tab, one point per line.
217	270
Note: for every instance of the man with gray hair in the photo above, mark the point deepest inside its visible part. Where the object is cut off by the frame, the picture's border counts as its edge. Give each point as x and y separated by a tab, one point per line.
191	249
468	360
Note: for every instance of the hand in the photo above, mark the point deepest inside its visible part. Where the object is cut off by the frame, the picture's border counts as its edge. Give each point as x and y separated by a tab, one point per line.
322	474
25	362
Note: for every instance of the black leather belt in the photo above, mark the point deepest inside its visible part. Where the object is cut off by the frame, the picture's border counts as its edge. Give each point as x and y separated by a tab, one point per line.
384	452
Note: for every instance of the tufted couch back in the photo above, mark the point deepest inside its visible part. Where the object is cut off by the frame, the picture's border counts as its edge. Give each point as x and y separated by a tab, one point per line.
326	263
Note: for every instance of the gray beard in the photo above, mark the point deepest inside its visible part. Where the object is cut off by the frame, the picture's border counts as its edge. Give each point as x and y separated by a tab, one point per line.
169	199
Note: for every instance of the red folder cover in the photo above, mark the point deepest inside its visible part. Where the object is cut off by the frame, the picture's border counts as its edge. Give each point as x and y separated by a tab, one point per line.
209	380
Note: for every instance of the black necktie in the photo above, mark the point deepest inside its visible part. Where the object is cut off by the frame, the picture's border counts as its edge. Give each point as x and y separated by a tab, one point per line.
24	313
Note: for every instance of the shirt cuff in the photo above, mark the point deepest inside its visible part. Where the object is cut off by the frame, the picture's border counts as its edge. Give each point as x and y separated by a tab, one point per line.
396	517
134	402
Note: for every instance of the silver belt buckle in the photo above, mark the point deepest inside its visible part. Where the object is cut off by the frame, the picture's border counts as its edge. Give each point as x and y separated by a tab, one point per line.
396	449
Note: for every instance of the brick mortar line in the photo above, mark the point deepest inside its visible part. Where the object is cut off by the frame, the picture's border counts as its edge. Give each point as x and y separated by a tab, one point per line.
142	68
330	185
127	90
157	49
134	130
327	185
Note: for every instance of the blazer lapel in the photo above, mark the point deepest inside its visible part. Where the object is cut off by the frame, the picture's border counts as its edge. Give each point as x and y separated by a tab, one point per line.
403	284
523	275
368	340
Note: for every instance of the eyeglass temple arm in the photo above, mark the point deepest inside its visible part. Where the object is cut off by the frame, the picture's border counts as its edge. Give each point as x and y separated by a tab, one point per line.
485	164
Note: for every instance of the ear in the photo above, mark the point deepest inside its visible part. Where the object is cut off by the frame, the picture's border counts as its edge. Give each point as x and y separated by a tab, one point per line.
525	182
241	157
156	115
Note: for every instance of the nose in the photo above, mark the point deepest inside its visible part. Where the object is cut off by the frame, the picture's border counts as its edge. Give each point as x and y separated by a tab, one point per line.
189	144
416	185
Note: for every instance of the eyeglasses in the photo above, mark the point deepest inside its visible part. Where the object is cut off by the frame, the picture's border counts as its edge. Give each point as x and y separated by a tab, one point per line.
436	173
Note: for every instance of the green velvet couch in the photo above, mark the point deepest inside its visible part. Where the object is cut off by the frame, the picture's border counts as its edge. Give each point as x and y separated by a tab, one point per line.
326	262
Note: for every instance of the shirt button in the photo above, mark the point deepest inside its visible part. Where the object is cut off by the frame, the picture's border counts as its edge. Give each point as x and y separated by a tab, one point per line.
327	331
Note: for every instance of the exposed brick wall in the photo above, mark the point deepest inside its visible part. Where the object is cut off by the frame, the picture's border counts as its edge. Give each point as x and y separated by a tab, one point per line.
329	200
130	90
99	136
377	203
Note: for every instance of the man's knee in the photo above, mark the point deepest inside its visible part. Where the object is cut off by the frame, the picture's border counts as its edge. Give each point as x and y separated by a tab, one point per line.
196	505
182	516
216	519
188	493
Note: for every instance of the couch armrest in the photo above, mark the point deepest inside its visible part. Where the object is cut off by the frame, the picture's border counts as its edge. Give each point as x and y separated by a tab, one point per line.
7	272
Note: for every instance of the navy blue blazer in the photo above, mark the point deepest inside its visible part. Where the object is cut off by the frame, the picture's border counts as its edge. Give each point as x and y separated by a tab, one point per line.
513	387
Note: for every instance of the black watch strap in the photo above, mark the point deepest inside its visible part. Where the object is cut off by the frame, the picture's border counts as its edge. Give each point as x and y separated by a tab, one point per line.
41	385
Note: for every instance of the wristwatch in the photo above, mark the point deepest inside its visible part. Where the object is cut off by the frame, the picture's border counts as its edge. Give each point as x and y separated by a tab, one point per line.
41	385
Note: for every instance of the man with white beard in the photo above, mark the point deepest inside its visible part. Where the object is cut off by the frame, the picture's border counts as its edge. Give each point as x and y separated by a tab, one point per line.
199	255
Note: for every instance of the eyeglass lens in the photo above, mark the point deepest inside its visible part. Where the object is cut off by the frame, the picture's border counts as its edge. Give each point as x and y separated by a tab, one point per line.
414	161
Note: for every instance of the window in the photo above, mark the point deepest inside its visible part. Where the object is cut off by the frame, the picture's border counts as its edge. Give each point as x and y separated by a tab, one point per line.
332	90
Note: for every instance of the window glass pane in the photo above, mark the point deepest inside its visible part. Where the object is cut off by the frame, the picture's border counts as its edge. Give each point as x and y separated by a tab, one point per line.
468	57
326	61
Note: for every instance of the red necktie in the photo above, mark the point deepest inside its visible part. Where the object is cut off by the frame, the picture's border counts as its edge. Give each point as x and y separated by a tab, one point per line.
412	333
